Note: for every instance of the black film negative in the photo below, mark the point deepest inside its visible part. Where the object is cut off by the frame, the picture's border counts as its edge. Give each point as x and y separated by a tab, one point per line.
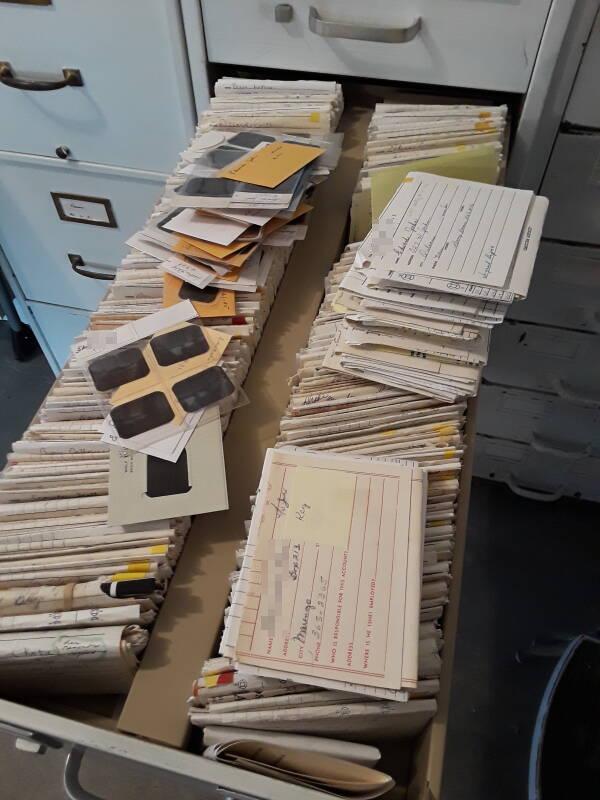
203	389
165	478
118	367
141	415
249	139
221	157
179	345
194	293
207	187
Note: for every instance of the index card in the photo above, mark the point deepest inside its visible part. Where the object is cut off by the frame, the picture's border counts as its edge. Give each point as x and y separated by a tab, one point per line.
319	511
271	164
339	604
211	228
451	229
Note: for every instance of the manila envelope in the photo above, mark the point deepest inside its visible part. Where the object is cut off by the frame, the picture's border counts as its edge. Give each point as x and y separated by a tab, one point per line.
236	260
272	164
212	249
208	302
324	773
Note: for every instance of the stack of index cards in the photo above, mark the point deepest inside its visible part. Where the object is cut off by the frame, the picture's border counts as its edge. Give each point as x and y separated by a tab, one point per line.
304	105
90	529
402	132
435	274
330	413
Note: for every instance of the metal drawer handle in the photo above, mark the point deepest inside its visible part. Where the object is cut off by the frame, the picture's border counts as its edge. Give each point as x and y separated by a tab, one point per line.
533	494
368	33
541	445
78	264
73	788
71	77
573	395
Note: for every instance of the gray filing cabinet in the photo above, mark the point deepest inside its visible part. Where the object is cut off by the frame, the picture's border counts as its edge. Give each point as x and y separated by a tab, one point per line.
539	415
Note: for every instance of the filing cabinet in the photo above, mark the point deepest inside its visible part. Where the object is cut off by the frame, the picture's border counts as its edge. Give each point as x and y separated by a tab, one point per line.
535	473
468	43
96	102
572	185
59	325
35	192
565	289
583	109
547	359
547	422
133	107
539	423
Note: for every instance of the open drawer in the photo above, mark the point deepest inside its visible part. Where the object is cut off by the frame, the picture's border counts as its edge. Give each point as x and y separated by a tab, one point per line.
150	725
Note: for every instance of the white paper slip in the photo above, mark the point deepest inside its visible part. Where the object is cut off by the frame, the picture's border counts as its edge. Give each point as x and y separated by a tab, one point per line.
330	582
104	341
169	448
452	229
159	251
196	275
211	228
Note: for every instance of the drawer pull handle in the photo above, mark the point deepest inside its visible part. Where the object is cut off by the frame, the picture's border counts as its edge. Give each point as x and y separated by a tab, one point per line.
78	265
533	494
572	395
541	445
73	788
367	33
71	77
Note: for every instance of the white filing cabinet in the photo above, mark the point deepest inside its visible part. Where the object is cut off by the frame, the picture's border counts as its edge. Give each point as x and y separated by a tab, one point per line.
466	43
82	165
540	409
144	70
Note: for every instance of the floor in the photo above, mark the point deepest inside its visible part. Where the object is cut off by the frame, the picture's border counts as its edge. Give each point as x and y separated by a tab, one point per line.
530	570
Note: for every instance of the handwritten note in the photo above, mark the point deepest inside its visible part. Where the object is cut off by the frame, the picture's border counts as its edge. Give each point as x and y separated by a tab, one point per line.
319	507
330	584
451	229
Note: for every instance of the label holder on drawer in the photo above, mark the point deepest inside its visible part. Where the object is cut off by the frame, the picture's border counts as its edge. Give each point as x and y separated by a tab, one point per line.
84	209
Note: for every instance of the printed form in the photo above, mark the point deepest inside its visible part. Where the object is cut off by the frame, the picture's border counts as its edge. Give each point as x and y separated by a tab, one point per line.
451	229
330	585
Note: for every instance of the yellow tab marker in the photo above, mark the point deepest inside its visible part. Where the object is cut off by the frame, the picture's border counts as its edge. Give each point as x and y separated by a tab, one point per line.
138	566
128	576
445	430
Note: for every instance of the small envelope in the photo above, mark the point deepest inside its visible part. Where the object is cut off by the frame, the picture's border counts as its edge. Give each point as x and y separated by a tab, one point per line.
208	302
272	164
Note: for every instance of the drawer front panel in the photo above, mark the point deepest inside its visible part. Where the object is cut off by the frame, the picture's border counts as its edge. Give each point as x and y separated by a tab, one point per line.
465	44
58	326
583	108
546	359
37	242
535	475
545	421
572	184
565	291
134	108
